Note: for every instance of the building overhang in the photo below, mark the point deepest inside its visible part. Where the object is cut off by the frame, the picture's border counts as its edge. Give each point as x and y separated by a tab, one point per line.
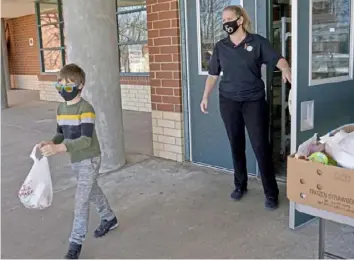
17	8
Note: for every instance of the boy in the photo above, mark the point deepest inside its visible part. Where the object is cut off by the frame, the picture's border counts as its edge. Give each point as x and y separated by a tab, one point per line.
76	135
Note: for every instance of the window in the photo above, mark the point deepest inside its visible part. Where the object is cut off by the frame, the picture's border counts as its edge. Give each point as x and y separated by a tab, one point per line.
132	39
209	19
50	35
331	38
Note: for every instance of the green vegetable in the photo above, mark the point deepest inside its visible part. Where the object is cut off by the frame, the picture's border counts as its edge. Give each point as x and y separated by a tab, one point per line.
320	157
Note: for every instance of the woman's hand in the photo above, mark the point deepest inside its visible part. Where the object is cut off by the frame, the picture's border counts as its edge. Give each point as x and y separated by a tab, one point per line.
283	65
209	85
204	105
286	75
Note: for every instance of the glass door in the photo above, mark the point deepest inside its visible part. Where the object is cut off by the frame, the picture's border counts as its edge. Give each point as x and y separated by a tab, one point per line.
322	66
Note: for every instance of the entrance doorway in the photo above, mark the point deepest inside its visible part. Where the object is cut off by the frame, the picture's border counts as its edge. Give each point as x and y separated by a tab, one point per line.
208	143
278	91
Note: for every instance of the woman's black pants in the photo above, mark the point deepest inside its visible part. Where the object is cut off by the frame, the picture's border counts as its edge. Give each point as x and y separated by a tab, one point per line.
253	115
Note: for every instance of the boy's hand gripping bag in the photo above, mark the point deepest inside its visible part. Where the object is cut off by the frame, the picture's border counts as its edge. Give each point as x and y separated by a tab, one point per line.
37	191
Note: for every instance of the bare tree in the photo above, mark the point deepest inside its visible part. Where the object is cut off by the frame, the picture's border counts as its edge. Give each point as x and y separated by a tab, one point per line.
132	28
210	26
51	39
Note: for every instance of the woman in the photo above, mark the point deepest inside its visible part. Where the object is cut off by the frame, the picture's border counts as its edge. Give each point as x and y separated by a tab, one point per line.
242	97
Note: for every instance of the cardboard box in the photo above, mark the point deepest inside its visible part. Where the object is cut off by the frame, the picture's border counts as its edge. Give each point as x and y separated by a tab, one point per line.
320	186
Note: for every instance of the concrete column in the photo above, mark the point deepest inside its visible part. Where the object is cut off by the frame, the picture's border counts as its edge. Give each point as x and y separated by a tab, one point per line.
91	42
4	103
5	55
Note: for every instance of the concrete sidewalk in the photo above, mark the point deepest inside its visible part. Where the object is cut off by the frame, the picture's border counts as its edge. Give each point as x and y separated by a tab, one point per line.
166	209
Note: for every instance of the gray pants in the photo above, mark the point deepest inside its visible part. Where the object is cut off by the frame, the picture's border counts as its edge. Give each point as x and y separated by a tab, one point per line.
88	191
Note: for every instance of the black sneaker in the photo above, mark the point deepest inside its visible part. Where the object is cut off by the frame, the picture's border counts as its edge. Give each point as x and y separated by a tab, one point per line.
271	203
238	194
105	227
74	251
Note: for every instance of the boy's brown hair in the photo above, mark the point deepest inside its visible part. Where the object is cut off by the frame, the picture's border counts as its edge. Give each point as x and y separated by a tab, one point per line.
73	73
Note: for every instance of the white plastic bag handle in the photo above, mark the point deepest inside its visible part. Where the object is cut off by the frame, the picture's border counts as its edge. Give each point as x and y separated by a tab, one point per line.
33	153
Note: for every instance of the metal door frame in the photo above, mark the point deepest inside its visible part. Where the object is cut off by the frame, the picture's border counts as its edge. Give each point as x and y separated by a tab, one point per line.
294	110
185	79
294	61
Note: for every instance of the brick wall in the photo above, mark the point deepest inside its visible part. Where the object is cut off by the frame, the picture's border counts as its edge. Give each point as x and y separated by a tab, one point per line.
136	97
164	55
25	68
23	58
136	93
135	80
165	78
168	135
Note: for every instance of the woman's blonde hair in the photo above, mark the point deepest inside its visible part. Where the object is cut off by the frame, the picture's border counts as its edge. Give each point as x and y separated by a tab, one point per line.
240	11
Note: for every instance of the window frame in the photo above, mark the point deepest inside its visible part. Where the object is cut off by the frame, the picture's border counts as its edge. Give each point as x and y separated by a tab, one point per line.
316	82
130	42
58	4
201	72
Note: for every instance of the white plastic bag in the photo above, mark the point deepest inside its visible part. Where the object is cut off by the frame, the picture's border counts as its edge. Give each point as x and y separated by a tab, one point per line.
290	102
341	148
304	149
37	191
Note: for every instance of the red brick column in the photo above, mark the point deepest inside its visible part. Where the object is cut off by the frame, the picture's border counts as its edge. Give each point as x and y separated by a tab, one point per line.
164	54
165	77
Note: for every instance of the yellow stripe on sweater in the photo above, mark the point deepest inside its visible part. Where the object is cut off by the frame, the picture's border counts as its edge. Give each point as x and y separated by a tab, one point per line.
88	115
68	117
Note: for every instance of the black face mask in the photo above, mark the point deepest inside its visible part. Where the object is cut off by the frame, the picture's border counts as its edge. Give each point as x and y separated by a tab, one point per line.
231	27
68	96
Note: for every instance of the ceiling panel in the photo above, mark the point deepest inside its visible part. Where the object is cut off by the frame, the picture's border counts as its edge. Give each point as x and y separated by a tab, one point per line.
17	8
131	2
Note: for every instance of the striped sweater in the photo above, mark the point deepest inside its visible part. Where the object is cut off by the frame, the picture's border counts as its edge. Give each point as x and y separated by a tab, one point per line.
76	129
